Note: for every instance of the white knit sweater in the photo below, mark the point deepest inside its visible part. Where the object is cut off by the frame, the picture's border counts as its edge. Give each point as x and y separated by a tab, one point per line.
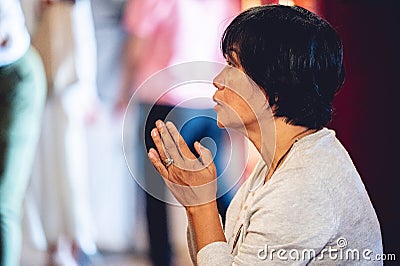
314	210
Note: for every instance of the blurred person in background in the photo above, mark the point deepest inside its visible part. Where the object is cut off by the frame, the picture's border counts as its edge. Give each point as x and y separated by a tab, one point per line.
22	97
163	33
110	36
106	157
59	186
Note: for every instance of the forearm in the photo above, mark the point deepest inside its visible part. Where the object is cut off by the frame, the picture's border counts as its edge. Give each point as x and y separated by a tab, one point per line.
206	224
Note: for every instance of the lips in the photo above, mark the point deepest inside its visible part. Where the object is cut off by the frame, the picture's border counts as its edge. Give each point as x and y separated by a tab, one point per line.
218	102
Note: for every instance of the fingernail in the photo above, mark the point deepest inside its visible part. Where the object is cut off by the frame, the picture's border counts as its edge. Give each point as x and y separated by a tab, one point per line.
154	132
151	155
168	123
159	124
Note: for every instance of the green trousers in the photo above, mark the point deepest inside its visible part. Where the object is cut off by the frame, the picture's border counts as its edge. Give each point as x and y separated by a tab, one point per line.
22	98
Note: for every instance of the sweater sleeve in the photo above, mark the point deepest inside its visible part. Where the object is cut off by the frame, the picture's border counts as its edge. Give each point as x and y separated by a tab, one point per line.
216	253
292	214
191	240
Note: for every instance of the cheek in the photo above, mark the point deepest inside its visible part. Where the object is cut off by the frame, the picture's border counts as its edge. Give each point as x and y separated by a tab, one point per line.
235	113
239	105
245	111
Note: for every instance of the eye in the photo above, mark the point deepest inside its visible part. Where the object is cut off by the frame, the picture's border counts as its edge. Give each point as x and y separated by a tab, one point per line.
229	63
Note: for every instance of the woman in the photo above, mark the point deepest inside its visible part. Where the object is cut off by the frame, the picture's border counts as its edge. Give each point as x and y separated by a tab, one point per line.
305	201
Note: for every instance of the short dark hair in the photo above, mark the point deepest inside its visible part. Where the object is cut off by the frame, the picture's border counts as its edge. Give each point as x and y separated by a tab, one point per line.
294	55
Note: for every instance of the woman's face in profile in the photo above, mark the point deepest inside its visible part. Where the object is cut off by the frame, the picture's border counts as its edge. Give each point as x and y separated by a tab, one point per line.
239	99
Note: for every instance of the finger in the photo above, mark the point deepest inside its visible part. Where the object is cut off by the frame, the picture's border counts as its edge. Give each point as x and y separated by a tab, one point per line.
159	145
170	147
180	142
155	153
205	154
155	160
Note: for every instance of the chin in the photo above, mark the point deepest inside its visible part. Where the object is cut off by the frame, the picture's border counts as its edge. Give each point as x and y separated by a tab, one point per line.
228	122
221	120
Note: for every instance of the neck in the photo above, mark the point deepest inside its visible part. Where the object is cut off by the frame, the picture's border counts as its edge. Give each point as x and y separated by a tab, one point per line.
285	136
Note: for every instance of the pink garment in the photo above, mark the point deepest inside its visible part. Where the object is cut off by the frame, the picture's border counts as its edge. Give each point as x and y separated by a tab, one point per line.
156	20
180	31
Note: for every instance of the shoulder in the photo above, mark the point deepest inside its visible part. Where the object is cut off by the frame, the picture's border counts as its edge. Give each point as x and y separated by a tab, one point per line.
319	191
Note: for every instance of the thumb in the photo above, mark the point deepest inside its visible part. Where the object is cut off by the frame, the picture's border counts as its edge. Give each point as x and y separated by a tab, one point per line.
205	154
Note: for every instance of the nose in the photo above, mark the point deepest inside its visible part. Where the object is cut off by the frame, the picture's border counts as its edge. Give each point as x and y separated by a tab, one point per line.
219	81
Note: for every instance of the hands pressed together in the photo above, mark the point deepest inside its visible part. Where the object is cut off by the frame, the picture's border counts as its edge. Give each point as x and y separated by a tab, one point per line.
192	180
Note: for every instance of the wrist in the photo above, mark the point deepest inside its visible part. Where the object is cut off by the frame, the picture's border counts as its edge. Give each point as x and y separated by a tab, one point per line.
204	209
